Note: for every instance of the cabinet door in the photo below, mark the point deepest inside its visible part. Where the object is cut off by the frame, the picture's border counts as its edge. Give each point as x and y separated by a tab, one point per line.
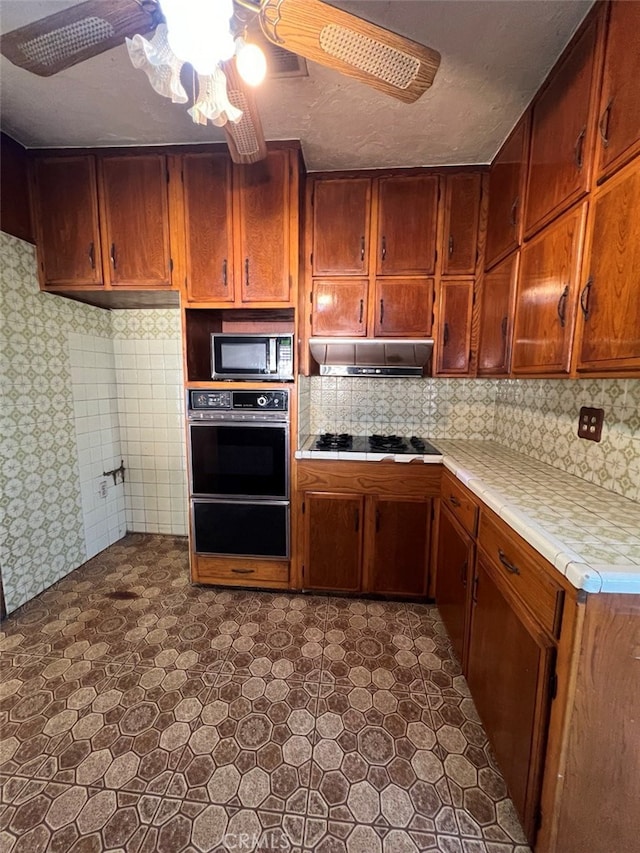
453	576
462	215
333	541
496	317
403	307
506	184
339	307
208	227
264	232
609	325
619	121
397	546
562	135
66	218
453	338
510	664
407	210
135	220
547	286
341	220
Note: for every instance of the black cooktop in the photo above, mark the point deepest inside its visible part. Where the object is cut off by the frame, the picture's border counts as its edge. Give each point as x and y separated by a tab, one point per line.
374	444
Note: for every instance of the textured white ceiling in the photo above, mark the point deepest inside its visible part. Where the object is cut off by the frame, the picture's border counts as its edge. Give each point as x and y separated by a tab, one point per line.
495	54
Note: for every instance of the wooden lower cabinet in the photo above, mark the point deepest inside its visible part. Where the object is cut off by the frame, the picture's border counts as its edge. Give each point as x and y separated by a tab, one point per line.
357	543
455	568
367	527
333	541
397	539
510	665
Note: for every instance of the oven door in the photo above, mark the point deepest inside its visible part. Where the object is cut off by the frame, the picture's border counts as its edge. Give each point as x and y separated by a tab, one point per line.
241	528
240	460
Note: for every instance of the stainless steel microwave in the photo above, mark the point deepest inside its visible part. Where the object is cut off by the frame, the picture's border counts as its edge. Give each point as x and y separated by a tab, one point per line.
267	357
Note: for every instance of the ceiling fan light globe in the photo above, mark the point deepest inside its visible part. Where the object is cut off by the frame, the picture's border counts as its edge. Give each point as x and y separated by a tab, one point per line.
199	31
250	62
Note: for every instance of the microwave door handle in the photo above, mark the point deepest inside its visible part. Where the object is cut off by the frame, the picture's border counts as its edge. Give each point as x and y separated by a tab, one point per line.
273	359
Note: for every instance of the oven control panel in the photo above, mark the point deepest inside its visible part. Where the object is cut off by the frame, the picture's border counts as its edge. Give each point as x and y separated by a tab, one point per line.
238	405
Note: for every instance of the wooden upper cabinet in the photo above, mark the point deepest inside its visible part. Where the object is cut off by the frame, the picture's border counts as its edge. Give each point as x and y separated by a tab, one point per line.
461	219
333	535
453	335
135	220
341	225
339	307
403	307
546	298
406	233
264	245
66	220
496	317
506	186
562	126
618	138
397	546
208	227
608	334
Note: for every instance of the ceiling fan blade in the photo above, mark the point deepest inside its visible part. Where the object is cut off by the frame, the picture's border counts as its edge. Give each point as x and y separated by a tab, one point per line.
245	138
376	56
78	33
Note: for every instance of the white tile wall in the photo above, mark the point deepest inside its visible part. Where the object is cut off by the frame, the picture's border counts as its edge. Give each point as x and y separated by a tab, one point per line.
95	403
148	362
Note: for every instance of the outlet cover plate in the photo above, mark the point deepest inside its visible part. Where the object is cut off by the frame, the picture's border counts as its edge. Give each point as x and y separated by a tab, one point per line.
590	423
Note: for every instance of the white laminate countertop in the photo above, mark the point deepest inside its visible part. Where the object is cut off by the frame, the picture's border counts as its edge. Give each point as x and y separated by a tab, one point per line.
591	535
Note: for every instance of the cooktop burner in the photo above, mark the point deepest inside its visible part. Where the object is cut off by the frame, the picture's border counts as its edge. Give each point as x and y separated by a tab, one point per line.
391	444
334	441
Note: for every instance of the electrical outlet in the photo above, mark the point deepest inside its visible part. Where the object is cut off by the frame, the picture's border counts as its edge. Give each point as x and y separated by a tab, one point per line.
590	423
102	489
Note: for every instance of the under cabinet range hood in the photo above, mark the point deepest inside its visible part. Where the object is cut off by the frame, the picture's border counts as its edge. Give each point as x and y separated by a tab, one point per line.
371	356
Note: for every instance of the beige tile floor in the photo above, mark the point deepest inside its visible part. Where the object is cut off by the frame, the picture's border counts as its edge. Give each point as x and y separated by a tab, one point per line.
139	713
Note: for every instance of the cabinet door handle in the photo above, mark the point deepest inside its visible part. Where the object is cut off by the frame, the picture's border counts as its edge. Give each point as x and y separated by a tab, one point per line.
578	148
362	248
384	248
113	256
246	272
513	216
603	124
243	571
562	305
463	573
474	590
377	520
445	335
357	524
381	311
361	311
450	245
584	298
454	500
505	323
224	273
92	255
514	570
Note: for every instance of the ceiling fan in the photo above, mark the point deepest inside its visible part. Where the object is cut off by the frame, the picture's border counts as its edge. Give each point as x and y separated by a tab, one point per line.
313	29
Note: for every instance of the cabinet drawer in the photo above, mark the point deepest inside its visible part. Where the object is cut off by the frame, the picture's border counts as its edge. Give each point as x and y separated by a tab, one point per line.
524	571
231	572
459	503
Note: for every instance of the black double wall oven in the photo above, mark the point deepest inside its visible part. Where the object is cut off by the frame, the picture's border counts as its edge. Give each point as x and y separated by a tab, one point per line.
239	472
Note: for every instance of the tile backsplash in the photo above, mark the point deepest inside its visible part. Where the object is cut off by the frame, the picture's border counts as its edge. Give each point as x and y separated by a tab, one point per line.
537	417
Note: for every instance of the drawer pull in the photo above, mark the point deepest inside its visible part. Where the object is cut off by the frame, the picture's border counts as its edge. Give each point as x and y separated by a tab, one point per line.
514	570
454	500
243	571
